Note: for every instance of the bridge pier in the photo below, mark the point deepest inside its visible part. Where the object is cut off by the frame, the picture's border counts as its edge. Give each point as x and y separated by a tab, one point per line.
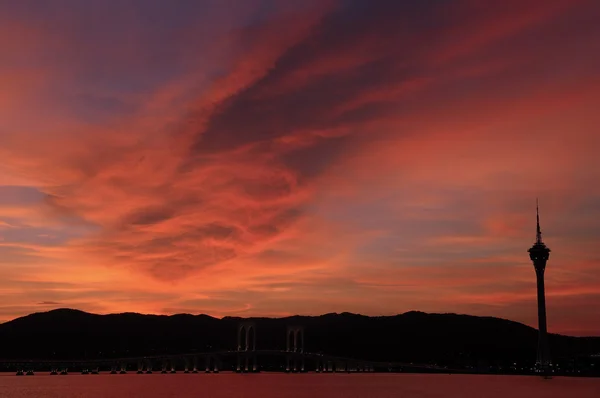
247	362
322	365
212	364
295	363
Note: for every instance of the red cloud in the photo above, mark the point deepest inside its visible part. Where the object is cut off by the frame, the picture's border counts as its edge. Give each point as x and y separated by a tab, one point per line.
345	155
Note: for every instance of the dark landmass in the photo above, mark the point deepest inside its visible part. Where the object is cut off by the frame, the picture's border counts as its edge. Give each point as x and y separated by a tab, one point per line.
444	339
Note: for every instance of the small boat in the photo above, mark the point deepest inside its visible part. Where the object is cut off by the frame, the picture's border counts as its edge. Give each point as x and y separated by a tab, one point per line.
20	373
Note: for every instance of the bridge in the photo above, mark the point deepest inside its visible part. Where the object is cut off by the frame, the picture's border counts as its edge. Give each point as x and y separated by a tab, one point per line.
245	359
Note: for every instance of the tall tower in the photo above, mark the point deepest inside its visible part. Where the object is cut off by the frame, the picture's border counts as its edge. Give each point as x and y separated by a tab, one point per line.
539	254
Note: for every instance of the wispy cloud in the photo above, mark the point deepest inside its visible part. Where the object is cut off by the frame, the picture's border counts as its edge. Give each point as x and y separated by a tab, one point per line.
275	158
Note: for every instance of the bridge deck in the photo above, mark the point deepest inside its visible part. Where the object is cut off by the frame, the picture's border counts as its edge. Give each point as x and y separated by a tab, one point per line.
305	355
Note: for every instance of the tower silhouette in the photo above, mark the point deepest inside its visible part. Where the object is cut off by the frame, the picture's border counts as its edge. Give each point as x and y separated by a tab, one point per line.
539	254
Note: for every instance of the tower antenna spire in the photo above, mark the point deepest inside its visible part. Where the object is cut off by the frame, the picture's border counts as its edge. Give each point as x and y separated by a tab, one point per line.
538	235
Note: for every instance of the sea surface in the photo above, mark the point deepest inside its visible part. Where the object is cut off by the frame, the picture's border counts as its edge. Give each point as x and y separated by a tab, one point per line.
277	385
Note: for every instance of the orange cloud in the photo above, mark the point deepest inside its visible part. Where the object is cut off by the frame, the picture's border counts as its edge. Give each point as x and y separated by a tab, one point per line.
280	159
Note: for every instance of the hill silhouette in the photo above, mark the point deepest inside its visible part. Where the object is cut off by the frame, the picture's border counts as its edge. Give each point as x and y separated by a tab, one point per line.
418	337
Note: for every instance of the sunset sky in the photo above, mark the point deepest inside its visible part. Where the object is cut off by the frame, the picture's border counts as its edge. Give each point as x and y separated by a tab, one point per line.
270	157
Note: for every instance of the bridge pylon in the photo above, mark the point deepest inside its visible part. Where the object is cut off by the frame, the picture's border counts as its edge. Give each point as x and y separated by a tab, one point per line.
247	360
294	338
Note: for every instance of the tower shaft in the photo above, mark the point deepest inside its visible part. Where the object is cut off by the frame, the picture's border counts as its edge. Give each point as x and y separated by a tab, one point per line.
542	349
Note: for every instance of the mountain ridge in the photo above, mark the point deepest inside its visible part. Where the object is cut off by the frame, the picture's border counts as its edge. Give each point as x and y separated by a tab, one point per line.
414	336
228	317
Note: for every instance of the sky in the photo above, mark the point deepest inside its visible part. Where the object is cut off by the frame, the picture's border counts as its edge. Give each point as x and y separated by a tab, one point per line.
270	158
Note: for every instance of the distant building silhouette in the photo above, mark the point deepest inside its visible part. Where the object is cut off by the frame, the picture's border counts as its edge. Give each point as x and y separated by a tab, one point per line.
539	254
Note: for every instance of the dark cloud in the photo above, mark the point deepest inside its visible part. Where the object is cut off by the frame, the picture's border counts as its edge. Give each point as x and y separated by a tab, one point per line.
146	216
269	188
359	49
376	34
276	224
310	161
217	231
22	196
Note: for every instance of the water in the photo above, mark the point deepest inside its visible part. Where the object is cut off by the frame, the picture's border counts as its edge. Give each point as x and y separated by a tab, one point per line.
277	385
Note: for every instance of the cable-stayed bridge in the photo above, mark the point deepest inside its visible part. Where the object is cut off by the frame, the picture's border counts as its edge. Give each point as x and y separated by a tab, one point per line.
245	359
